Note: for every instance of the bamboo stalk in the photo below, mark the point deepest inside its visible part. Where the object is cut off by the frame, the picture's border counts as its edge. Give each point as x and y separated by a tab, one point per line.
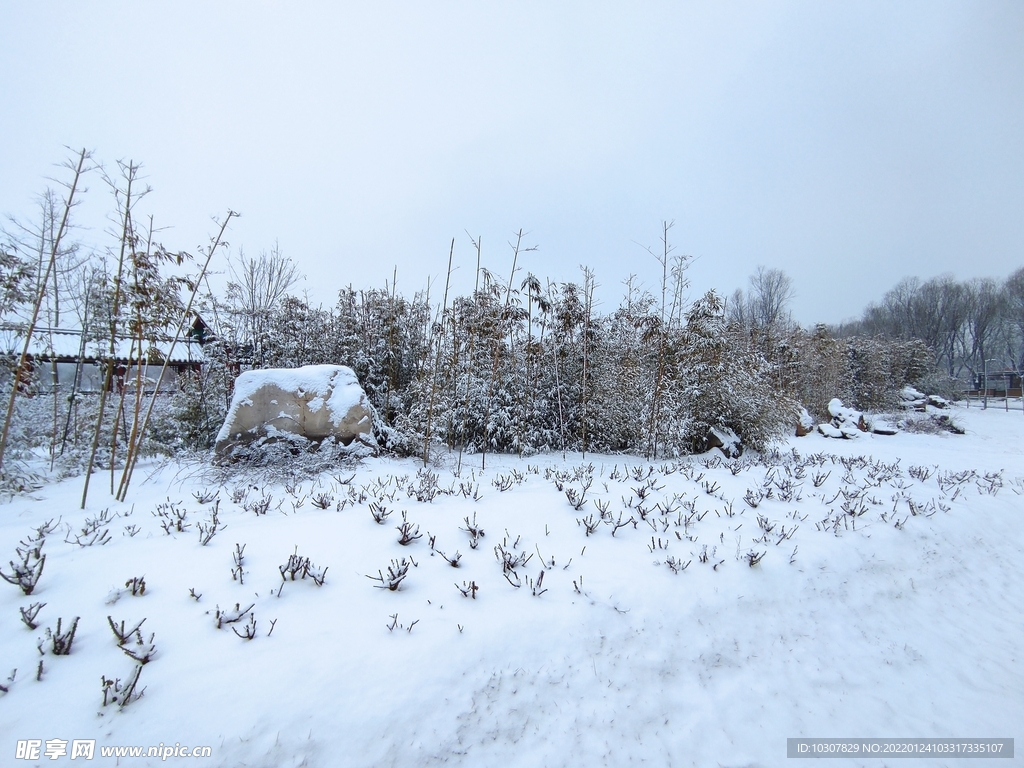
133	455
138	341
496	344
437	356
115	309
477	244
108	377
75	382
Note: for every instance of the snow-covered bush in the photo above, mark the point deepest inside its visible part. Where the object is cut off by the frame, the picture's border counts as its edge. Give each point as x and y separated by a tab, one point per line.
726	384
28	615
197	409
938	385
397	572
121	693
60	641
931	424
26	572
301	567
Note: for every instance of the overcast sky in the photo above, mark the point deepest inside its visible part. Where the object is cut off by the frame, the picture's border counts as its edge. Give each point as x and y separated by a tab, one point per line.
848	144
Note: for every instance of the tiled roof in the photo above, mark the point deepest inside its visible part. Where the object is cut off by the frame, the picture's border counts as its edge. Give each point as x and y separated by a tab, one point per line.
64	343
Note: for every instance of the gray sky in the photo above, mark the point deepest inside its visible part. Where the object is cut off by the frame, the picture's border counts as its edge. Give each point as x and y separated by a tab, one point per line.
849	144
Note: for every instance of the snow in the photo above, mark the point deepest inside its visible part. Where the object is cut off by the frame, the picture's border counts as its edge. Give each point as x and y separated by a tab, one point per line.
841	415
805	420
909	394
827	430
871	629
728	442
846	422
67	343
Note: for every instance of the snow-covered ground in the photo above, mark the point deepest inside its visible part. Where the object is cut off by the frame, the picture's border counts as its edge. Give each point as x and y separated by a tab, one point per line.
899	616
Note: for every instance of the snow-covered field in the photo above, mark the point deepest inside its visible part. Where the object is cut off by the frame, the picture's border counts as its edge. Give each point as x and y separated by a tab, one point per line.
898	616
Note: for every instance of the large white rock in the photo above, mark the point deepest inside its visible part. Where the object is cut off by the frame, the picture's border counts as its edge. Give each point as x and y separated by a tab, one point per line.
315	402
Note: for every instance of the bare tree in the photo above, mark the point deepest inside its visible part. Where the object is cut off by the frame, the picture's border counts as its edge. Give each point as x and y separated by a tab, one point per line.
765	305
36	239
934	312
1013	318
659	329
939	313
256	287
738	310
771	291
985	309
77	168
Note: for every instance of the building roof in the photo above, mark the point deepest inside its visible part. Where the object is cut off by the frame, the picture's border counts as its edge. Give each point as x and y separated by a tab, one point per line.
66	344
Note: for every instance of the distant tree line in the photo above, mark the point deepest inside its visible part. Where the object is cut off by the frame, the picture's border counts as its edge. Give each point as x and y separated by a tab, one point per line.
963	322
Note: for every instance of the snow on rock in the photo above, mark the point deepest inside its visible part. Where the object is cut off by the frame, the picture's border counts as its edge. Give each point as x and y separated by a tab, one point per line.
805	423
914	398
850	424
909	394
829	431
726	440
315	402
847	422
884	425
